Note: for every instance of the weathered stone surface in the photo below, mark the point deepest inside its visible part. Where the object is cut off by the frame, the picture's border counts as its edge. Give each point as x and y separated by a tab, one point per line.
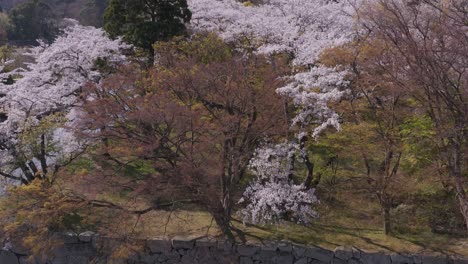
172	255
25	260
315	261
104	244
60	260
338	261
265	256
434	260
158	245
173	261
181	242
149	258
77	260
319	254
301	261
206	242
285	247
69	237
246	260
79	250
95	241
401	259
298	251
99	260
208	261
187	259
162	258
226	246
247	250
269	246
181	251
417	259
460	260
204	252
372	258
61	254
343	253
284	259
7	257
356	253
16	248
86	236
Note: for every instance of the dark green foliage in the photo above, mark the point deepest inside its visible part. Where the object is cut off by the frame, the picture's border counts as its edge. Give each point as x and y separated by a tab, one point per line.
139	169
3	117
103	66
143	22
418	135
8	81
72	221
441	211
93	11
31	21
87	12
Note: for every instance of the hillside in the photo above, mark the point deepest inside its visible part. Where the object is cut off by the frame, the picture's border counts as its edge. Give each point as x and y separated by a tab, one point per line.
88	12
326	123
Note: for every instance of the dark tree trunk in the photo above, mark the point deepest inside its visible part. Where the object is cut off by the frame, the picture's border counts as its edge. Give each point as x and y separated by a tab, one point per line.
42	158
455	167
27	173
460	187
223	210
223	216
463	203
386	220
311	180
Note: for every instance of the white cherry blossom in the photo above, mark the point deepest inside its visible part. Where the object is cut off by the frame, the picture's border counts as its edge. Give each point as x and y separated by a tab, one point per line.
51	84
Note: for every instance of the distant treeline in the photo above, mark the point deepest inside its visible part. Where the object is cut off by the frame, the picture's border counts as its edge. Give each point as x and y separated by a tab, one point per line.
88	12
24	21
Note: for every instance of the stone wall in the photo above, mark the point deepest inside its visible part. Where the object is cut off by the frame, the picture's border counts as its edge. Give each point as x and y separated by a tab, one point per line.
84	248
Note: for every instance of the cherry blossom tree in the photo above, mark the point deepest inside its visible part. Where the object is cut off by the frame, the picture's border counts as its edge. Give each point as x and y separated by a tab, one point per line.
274	196
298	28
42	103
302	29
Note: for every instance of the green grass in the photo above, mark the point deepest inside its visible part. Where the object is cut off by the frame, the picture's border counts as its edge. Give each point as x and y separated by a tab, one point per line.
331	236
323	232
346	219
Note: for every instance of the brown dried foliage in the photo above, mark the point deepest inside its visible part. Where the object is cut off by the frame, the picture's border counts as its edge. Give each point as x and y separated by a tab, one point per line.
195	118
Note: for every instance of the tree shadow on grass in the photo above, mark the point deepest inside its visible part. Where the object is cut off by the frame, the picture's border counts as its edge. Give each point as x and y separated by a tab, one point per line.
349	231
325	234
426	246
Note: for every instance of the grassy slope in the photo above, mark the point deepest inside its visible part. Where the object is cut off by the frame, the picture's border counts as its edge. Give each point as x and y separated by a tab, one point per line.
349	219
336	227
324	232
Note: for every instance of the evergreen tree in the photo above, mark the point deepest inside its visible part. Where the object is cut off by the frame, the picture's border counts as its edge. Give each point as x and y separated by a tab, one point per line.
31	21
143	22
92	12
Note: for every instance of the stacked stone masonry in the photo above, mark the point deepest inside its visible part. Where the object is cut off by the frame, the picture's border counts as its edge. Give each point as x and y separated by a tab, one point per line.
87	248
